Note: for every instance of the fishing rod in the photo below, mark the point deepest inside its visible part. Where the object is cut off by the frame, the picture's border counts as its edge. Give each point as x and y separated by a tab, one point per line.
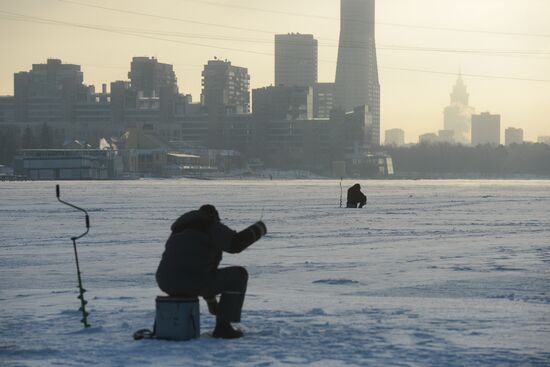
341	178
81	289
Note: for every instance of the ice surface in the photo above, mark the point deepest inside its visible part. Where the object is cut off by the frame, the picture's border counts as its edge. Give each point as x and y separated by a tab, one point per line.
439	273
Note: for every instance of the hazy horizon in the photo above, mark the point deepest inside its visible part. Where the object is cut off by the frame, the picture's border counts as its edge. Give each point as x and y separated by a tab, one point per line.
104	41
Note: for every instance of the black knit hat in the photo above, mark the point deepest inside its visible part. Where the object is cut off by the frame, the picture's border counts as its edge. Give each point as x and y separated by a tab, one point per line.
210	211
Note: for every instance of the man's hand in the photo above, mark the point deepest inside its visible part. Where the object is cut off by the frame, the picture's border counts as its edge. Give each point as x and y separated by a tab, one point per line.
212	304
260	226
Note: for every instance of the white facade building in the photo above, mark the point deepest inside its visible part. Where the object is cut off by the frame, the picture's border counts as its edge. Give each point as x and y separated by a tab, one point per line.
395	137
513	136
485	129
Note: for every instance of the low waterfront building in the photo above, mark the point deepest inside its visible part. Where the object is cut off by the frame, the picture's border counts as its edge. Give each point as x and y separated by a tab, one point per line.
68	164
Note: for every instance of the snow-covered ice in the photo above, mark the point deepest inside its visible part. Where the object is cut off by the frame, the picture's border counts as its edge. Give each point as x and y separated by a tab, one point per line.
438	273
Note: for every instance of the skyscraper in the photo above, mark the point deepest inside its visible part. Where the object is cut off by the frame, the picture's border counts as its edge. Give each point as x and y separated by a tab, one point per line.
457	116
295	60
357	70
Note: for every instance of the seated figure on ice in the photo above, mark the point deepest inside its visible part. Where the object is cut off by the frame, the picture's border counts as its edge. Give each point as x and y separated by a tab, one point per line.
355	197
189	265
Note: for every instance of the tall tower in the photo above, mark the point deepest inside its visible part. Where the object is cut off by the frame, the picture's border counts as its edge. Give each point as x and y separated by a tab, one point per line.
460	93
457	116
357	69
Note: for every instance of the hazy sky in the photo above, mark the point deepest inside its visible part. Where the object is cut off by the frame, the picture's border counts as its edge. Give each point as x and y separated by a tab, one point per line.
413	101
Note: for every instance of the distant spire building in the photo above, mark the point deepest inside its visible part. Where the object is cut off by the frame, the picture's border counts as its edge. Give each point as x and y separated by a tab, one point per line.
356	81
457	116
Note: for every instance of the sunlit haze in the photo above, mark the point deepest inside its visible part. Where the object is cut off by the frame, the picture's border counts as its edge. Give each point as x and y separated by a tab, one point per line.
502	48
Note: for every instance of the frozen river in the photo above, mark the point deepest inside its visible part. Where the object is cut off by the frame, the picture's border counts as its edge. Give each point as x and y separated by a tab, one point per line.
440	273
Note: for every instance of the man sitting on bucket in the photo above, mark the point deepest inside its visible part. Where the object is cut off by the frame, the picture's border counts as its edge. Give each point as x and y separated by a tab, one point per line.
189	265
355	197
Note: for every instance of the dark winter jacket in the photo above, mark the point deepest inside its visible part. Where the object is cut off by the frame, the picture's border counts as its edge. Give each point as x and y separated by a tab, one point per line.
195	248
356	197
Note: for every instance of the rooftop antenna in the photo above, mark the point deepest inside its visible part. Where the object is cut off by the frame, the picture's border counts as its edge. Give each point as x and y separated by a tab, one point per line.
81	289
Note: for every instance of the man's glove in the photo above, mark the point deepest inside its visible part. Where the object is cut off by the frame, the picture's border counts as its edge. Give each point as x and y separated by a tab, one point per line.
248	236
259	229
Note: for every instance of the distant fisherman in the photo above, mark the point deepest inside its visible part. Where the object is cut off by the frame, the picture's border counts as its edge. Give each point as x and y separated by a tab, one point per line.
189	265
356	199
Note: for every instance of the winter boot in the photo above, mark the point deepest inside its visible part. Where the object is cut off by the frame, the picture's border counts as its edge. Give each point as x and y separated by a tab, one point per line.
224	330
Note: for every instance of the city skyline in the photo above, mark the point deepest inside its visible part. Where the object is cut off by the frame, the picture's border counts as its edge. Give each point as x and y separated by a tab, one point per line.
412	101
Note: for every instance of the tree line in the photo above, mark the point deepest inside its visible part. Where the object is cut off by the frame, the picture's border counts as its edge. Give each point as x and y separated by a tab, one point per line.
12	140
483	160
416	160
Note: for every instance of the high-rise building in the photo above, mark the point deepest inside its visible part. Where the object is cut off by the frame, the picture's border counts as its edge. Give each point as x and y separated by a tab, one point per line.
225	90
225	86
395	137
357	70
323	99
485	129
148	77
457	116
295	60
49	92
513	136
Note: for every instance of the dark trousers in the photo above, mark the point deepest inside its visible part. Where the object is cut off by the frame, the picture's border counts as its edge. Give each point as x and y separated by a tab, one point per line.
355	204
231	283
